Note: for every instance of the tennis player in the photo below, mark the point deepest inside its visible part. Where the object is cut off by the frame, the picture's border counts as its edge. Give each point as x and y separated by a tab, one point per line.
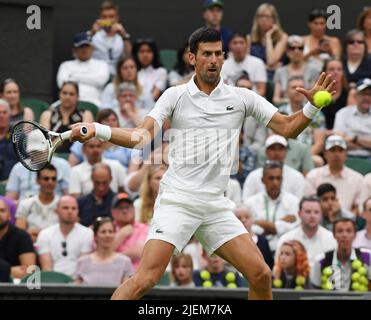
206	118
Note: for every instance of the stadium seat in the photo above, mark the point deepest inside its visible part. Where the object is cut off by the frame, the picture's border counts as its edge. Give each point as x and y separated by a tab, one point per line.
363	166
85	105
165	280
51	277
168	58
2	189
38	106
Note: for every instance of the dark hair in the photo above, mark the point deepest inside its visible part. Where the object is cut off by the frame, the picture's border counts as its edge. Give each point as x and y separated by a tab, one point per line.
237	35
349	37
311	198
152	44
324	188
292	78
7	81
345	220
180	65
203	34
48	167
271	164
317	13
71	83
325	66
105	113
362	17
99	222
108	5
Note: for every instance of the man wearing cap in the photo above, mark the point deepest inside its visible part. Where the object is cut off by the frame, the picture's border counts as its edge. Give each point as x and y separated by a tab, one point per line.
346	181
131	235
293	180
354	122
90	74
213	16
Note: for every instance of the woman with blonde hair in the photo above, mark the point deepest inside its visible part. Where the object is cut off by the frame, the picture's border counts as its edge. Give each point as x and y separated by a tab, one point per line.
291	269
268	40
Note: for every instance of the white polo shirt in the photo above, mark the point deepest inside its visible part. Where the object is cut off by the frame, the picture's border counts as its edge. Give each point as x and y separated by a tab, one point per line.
204	134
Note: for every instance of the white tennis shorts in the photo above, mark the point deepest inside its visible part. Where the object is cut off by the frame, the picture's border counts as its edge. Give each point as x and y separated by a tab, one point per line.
179	215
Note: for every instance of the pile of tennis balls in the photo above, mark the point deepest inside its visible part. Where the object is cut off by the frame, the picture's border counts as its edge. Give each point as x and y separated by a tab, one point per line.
359	277
230	277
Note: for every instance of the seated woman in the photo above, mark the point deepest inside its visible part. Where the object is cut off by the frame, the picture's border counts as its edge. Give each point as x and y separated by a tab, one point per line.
9	91
182	271
268	40
152	76
126	72
291	269
103	266
183	70
61	117
364	24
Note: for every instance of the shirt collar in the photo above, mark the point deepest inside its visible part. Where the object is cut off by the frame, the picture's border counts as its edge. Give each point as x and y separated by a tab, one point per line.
327	173
193	89
353	256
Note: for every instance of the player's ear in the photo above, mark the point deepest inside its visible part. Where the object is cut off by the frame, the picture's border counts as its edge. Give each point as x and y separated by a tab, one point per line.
192	58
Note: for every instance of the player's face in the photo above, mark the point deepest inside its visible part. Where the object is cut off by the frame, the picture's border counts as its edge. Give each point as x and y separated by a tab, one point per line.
128	70
344	234
287	257
208	61
311	214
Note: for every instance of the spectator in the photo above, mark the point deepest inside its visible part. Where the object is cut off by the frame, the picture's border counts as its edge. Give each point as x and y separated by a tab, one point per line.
364	24
273	209
4	271
81	183
330	206
213	16
126	72
340	263
12	208
183	70
195	250
291	270
149	191
297	67
240	61
314	134
103	266
243	213
38	212
268	40
233	191
7	156
22	183
354	122
346	181
123	155
182	271
366	188
110	39
357	64
90	74
131	235
216	274
293	180
60	118
9	91
318	46
60	245
152	76
363	237
343	96
98	202
15	245
315	238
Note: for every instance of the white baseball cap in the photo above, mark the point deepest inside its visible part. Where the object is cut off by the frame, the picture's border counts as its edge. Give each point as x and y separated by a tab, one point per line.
335	140
275	139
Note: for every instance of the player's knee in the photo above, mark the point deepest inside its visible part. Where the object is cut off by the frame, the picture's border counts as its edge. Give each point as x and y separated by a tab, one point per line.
262	278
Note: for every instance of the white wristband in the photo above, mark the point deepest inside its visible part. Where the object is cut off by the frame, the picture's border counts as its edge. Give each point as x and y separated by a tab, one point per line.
102	132
310	111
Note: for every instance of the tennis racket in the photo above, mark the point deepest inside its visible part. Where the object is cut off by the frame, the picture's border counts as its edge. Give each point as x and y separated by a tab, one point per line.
35	145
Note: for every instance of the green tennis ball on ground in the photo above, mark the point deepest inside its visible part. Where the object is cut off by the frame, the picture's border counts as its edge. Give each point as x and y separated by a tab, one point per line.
207	284
322	99
277	283
230	277
355	276
231	285
356	264
356	286
205	275
300	280
327	271
362	271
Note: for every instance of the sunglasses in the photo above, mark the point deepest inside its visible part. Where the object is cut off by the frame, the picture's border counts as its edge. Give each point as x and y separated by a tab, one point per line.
64	247
356	41
49	178
292	48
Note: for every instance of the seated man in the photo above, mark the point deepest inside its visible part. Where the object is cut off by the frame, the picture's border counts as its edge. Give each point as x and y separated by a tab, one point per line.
344	268
38	212
16	246
98	202
4	271
273	209
131	235
60	245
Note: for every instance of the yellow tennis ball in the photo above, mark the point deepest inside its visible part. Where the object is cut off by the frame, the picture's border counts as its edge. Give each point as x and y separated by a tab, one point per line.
231	285
207	284
230	277
205	275
322	99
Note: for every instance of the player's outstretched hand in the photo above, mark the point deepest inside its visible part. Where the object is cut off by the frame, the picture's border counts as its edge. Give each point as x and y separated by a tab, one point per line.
324	83
78	136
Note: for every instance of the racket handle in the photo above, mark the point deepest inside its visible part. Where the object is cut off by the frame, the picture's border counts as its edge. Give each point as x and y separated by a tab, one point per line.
67	134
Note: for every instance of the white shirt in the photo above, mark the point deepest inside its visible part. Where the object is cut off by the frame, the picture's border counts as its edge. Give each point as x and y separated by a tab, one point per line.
109	49
322	241
354	123
361	241
205	133
254	66
80	180
37	215
234	191
91	75
293	182
79	241
150	77
265	208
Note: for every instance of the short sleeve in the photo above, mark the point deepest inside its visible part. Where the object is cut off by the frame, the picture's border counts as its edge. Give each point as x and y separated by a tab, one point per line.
14	183
74	186
42	242
164	106
260	72
161	80
25	243
88	241
76	150
23	209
